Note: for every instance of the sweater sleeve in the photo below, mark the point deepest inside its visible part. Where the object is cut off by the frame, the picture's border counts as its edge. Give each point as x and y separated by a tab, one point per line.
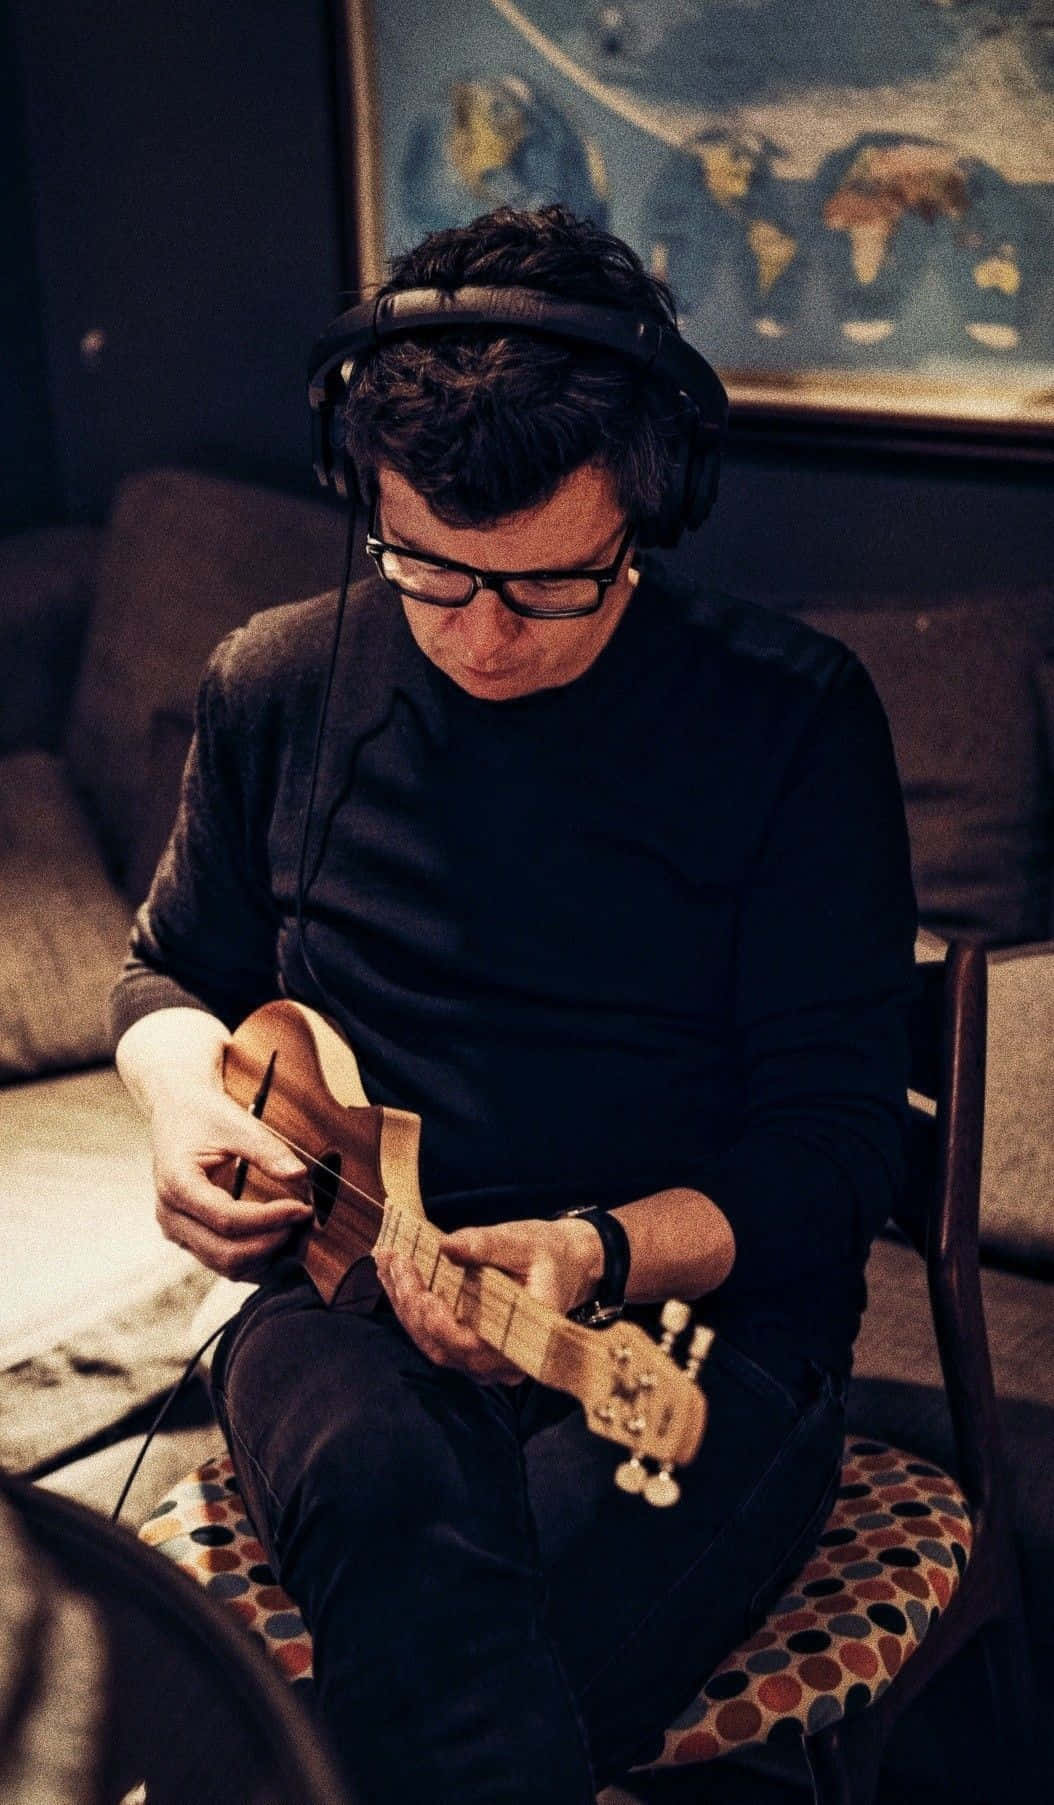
206	935
823	978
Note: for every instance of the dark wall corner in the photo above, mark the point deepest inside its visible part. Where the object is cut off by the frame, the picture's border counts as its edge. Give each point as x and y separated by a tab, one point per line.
29	494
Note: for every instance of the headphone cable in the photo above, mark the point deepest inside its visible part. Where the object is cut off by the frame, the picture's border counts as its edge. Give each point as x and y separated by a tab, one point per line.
316	757
192	1363
164	1410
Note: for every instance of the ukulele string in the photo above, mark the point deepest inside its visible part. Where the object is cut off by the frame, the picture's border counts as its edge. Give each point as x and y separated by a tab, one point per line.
471	1282
492	1313
314	1164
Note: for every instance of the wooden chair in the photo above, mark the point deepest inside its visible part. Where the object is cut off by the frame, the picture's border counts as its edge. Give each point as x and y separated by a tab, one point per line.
930	1606
913	1565
939	1216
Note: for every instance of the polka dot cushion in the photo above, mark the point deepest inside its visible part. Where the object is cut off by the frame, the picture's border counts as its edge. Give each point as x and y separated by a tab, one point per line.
887	1563
202	1526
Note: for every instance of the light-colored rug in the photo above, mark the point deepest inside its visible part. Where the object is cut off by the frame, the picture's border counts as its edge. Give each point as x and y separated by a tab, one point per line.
96	1311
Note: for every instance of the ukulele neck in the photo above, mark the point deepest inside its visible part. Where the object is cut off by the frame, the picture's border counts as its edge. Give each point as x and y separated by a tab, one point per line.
534	1337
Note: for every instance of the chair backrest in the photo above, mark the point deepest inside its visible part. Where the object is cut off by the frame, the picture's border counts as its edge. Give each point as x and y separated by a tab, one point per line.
939	1210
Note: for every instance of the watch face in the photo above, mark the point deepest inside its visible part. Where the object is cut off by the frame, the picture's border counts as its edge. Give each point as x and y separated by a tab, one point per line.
595	1315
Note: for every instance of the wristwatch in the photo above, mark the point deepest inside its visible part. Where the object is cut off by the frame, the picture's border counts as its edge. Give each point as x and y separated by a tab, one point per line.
610	1299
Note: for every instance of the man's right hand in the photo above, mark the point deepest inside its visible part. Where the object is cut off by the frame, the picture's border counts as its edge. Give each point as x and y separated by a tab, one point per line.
172	1062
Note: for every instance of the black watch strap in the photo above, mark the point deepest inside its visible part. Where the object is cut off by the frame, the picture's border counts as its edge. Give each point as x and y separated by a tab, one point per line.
610	1299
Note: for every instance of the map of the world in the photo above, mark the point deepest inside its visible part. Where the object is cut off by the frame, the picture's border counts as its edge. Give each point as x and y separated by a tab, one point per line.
832	187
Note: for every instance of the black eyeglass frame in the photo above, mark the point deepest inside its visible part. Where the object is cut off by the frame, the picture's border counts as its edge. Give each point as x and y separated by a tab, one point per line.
603	577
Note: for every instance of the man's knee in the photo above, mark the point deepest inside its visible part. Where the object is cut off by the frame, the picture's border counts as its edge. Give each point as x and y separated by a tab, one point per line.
347	1424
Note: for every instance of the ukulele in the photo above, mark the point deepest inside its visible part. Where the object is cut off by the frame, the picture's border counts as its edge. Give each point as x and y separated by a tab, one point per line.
289	1066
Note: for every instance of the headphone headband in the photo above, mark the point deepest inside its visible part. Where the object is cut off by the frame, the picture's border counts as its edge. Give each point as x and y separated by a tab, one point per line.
407	312
660	352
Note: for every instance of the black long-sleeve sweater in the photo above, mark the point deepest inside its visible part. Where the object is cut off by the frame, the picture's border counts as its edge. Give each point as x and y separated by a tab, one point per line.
652	928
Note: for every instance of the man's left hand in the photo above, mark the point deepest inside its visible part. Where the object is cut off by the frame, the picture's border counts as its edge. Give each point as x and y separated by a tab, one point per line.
559	1263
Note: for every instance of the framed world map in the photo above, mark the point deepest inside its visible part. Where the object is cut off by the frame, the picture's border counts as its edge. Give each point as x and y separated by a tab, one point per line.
852	200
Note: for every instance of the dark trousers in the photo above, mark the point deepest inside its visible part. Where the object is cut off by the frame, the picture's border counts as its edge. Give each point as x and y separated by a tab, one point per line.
493	1620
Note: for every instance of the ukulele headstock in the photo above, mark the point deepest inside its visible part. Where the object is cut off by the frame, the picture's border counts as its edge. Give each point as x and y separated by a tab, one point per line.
635	1394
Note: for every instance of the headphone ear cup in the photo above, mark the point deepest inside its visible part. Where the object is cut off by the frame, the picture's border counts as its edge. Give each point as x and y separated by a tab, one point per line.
698	469
354	487
333	467
700	482
692	488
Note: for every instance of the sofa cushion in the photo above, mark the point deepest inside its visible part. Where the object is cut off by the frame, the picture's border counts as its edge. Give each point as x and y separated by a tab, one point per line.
63	926
186	558
97	1308
961	684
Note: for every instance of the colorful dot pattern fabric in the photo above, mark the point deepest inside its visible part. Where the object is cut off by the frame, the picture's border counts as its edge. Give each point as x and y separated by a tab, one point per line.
202	1526
886	1565
891	1556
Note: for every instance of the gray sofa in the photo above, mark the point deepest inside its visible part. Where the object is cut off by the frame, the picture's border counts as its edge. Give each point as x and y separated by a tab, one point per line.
102	637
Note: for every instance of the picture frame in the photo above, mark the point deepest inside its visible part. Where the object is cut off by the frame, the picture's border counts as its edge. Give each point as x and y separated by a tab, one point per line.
855	211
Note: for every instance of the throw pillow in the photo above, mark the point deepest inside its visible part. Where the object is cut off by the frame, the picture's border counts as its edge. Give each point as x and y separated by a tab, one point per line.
1017	1167
63	926
186	557
45	598
961	686
1045	682
168	742
1017	1177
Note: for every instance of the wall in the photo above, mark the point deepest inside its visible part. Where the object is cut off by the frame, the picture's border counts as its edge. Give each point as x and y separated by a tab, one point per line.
183	172
28	489
182	168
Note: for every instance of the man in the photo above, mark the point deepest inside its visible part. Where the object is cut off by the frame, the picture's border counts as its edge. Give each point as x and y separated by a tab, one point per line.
607	880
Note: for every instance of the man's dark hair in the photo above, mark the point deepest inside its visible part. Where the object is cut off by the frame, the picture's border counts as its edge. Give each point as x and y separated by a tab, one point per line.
488	421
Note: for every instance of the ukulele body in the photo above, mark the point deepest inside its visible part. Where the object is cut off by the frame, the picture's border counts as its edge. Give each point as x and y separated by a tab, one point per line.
318	1105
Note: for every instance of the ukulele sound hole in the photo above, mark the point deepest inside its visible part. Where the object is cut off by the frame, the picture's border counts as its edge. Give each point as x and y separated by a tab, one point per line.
324	1185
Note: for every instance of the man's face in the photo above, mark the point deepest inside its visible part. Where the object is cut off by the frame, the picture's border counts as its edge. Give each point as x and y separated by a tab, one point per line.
483	647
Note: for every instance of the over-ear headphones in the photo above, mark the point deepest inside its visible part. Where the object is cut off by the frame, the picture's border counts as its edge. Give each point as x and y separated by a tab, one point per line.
659	350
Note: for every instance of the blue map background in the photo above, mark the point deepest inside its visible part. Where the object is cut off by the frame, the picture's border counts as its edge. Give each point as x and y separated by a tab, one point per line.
835	188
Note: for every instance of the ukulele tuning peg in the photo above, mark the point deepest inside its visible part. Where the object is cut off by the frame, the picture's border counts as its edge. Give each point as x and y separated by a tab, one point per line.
675	1319
675	1316
662	1488
701	1343
631	1475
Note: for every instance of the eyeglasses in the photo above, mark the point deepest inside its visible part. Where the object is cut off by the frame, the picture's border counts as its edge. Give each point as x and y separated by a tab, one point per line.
537	594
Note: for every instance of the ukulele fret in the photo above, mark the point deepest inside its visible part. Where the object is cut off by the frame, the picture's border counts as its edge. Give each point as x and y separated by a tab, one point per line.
444	1271
487	1300
503	1316
504	1343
